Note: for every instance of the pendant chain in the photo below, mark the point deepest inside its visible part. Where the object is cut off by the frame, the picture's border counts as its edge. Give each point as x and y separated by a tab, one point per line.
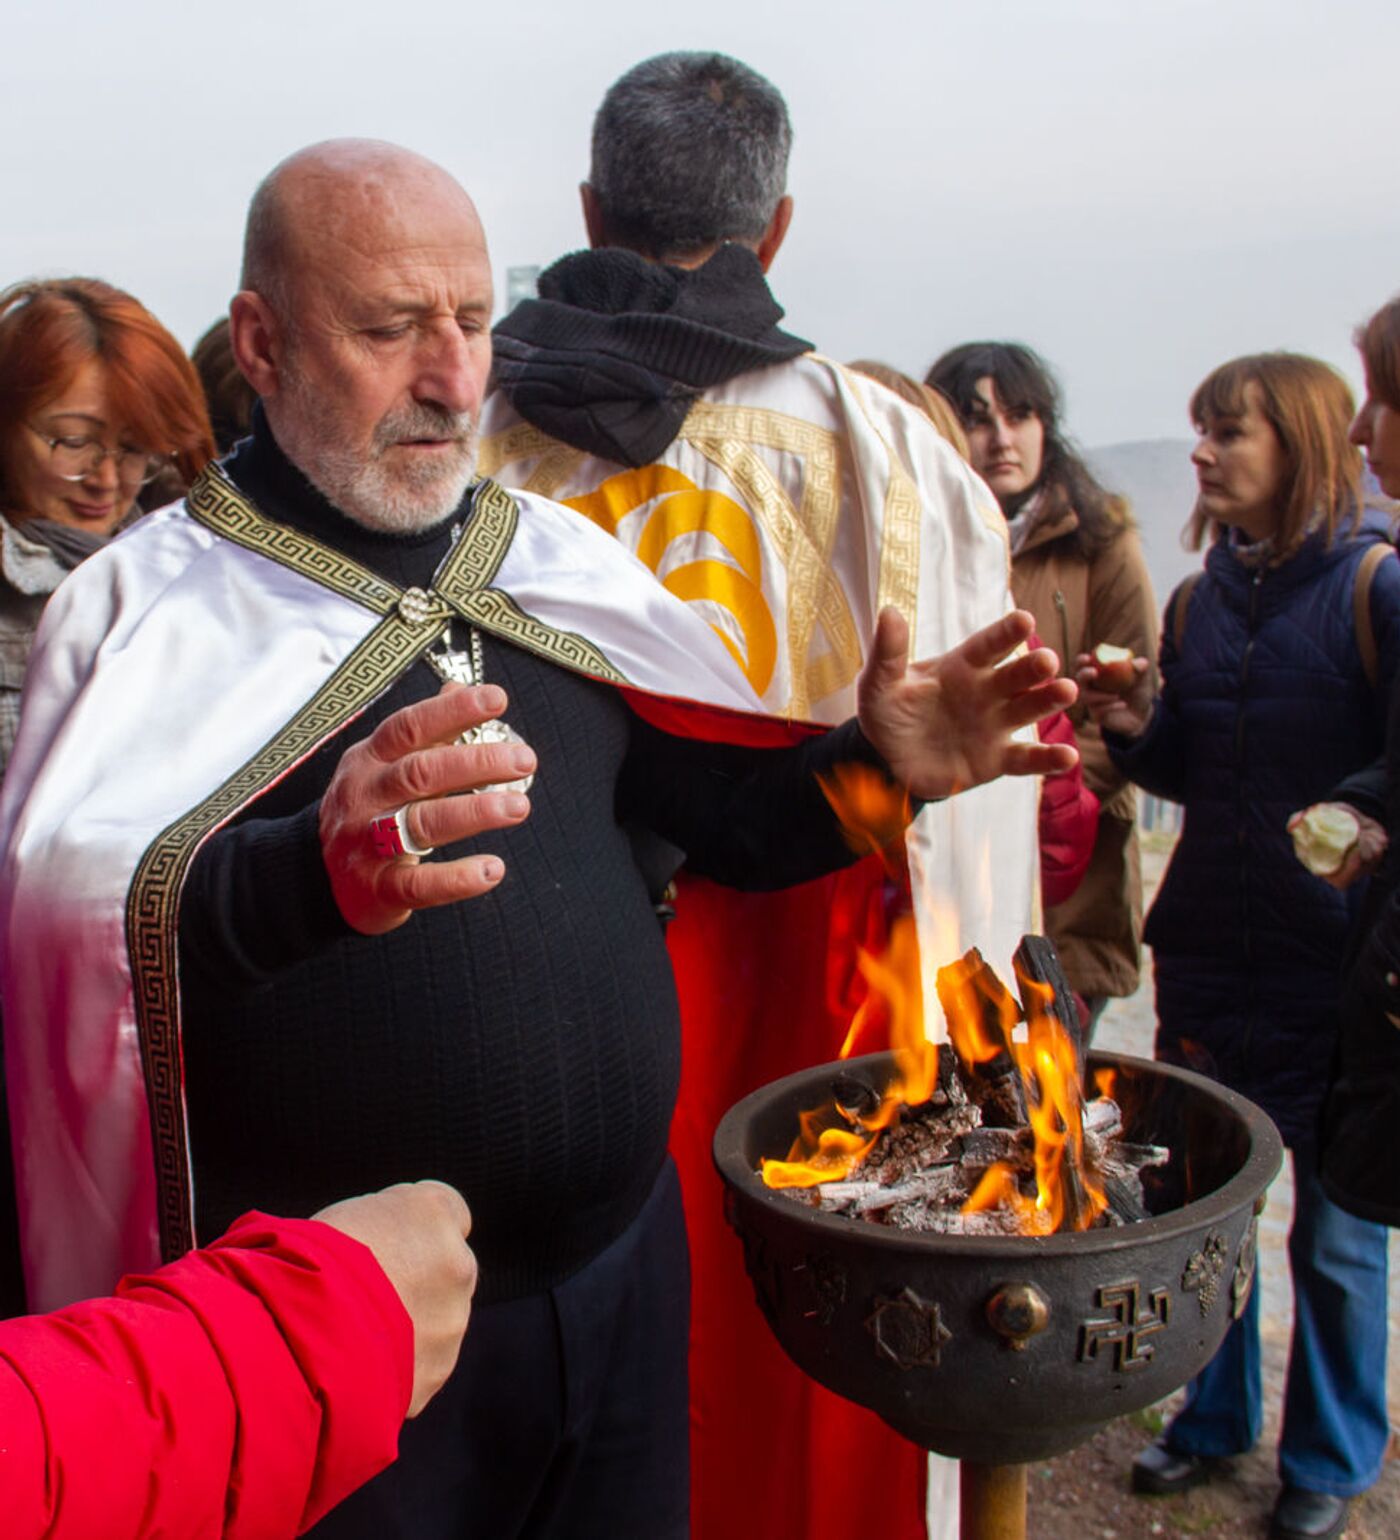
454	666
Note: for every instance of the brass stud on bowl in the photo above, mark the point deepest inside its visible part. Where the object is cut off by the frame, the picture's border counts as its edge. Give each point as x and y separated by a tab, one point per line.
1018	1311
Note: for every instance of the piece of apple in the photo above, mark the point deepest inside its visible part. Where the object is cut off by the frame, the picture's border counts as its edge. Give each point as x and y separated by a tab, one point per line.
1323	837
1115	666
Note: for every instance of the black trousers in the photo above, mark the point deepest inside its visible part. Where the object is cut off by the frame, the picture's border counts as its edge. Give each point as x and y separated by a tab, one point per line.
566	1417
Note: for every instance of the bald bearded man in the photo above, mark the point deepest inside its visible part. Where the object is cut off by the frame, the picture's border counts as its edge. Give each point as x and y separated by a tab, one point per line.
324	922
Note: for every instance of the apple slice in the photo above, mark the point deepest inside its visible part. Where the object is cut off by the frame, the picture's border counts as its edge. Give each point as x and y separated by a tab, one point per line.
1115	666
1324	836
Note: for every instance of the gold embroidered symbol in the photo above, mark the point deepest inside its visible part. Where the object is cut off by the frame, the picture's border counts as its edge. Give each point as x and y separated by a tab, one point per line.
677	512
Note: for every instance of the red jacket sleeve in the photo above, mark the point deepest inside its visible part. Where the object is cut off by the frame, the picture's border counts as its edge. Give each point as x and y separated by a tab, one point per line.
1069	821
242	1391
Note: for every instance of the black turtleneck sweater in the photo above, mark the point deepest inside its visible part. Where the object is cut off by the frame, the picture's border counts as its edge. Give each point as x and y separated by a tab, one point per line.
523	1045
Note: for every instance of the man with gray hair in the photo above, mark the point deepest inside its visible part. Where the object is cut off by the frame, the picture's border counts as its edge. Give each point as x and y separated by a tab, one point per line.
689	150
289	910
789	501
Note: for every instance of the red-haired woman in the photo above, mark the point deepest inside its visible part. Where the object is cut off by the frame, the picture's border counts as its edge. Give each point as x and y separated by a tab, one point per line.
1266	702
96	398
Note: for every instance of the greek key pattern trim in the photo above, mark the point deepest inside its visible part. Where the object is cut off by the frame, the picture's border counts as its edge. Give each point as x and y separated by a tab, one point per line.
476	558
900	530
554	461
216	503
405	632
152	911
473	562
498	613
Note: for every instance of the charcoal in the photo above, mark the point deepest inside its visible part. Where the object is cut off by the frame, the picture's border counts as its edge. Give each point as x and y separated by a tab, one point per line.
986	1146
1037	959
933	1189
922	1139
1078	1205
1123	1189
950	1091
839	1196
855	1099
941	1185
1103	1119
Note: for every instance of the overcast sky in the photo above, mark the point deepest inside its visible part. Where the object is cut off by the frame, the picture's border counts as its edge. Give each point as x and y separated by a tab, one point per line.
1138	188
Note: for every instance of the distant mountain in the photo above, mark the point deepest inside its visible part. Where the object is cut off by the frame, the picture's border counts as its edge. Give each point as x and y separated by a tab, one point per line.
1157	478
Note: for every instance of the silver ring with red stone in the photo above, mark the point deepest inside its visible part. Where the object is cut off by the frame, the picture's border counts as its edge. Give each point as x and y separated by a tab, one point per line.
391	838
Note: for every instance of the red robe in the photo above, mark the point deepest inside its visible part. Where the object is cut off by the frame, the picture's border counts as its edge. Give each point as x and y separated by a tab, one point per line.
758	1004
769	985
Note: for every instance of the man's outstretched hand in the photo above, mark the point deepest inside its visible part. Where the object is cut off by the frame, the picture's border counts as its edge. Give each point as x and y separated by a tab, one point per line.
946	724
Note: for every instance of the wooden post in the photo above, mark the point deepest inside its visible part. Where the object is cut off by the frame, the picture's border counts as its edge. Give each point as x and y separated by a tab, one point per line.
992	1501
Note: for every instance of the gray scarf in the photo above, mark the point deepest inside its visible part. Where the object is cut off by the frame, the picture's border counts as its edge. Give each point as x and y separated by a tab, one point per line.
68	546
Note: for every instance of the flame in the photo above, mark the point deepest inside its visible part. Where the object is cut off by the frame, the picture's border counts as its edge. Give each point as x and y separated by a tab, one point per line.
1067	1198
827	1149
999	1188
873	811
828	1158
982	1028
982	1024
968	1029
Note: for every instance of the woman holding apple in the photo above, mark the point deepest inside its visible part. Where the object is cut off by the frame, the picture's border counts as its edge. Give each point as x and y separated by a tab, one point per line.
1077	566
1265	705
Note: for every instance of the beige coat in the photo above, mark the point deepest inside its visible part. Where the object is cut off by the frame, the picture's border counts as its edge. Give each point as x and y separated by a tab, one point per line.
1077	605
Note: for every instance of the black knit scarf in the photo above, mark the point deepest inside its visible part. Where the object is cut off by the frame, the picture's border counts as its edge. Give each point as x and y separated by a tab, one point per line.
616	349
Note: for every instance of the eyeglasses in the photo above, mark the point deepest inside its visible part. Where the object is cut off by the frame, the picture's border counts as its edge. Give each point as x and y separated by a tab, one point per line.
74	458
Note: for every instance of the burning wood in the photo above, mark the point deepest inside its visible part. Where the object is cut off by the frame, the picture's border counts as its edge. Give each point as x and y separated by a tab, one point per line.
999	1141
970	992
1037	966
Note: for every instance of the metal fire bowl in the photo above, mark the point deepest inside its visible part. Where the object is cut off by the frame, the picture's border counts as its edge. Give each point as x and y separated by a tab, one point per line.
1002	1349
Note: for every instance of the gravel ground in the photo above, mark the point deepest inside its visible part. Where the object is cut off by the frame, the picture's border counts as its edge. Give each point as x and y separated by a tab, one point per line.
1085	1495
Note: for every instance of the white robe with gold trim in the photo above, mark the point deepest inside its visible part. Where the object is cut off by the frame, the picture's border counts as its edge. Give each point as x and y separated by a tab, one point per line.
795	503
163	666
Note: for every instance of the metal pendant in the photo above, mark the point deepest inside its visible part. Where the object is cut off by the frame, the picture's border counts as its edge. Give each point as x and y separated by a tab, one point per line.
467	668
497	731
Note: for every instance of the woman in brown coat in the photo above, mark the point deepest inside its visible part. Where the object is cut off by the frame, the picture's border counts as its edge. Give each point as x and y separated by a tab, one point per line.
1077	565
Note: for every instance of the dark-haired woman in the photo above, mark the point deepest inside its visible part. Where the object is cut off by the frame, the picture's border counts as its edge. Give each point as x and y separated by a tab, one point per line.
1077	566
1266	703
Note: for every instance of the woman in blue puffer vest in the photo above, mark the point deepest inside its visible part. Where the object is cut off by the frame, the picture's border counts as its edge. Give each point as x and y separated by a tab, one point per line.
1271	693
